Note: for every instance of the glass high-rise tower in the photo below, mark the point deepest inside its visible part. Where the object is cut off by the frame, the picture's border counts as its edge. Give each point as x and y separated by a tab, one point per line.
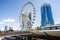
46	15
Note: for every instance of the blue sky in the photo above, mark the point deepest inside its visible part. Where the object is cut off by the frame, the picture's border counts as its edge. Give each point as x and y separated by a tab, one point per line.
10	11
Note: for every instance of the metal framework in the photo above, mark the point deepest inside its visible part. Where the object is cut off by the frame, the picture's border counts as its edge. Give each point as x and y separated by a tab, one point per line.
34	13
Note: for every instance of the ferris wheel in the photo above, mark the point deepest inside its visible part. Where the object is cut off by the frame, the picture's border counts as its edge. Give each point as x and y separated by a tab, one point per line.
28	10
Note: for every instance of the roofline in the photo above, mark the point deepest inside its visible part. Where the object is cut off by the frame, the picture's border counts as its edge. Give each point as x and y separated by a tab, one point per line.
45	4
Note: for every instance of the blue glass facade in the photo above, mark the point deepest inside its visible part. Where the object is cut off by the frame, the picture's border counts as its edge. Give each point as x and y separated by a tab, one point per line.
46	15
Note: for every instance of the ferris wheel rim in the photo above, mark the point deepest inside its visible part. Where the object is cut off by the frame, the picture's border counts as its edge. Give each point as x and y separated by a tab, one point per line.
33	10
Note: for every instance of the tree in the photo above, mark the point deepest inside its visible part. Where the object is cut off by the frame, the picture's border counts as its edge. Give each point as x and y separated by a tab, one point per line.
38	28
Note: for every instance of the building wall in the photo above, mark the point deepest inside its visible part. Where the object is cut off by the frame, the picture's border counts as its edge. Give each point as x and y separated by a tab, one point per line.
46	15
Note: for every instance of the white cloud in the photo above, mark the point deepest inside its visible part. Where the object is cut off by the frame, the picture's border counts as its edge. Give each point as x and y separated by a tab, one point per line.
9	20
2	23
